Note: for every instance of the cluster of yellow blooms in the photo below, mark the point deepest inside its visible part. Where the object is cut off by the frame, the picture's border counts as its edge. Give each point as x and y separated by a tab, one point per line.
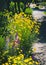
22	24
19	60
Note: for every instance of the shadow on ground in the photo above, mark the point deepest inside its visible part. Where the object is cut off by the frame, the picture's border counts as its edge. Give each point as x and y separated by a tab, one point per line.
39	9
42	34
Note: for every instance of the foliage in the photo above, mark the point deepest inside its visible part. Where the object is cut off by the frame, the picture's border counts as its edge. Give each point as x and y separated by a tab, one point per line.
28	11
2	46
2	43
21	6
20	60
43	3
3	56
12	6
3	23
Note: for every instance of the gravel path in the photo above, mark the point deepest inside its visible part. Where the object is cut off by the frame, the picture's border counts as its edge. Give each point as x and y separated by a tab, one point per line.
39	47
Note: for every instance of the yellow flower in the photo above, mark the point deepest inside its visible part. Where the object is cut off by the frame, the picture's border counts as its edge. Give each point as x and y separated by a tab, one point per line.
26	60
29	27
6	64
35	22
21	64
25	15
22	12
21	55
18	58
34	49
14	60
30	58
17	48
21	25
3	64
37	63
36	31
33	61
30	63
10	57
21	50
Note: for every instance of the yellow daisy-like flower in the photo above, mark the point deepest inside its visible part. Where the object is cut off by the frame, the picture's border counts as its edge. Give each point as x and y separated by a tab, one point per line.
13	64
3	64
29	51
30	58
34	49
17	48
18	58
14	60
21	50
6	64
30	63
37	63
21	55
26	60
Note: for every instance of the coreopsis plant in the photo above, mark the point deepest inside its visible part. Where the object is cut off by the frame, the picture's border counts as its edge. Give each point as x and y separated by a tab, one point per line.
20	60
26	30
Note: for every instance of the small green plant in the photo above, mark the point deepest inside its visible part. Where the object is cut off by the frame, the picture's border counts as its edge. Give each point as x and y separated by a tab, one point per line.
45	13
28	11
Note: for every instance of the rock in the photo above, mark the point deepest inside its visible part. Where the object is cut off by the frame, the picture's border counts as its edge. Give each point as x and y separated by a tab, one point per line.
39	15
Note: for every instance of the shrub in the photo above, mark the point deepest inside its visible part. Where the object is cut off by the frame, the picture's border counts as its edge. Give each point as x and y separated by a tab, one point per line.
26	29
28	11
